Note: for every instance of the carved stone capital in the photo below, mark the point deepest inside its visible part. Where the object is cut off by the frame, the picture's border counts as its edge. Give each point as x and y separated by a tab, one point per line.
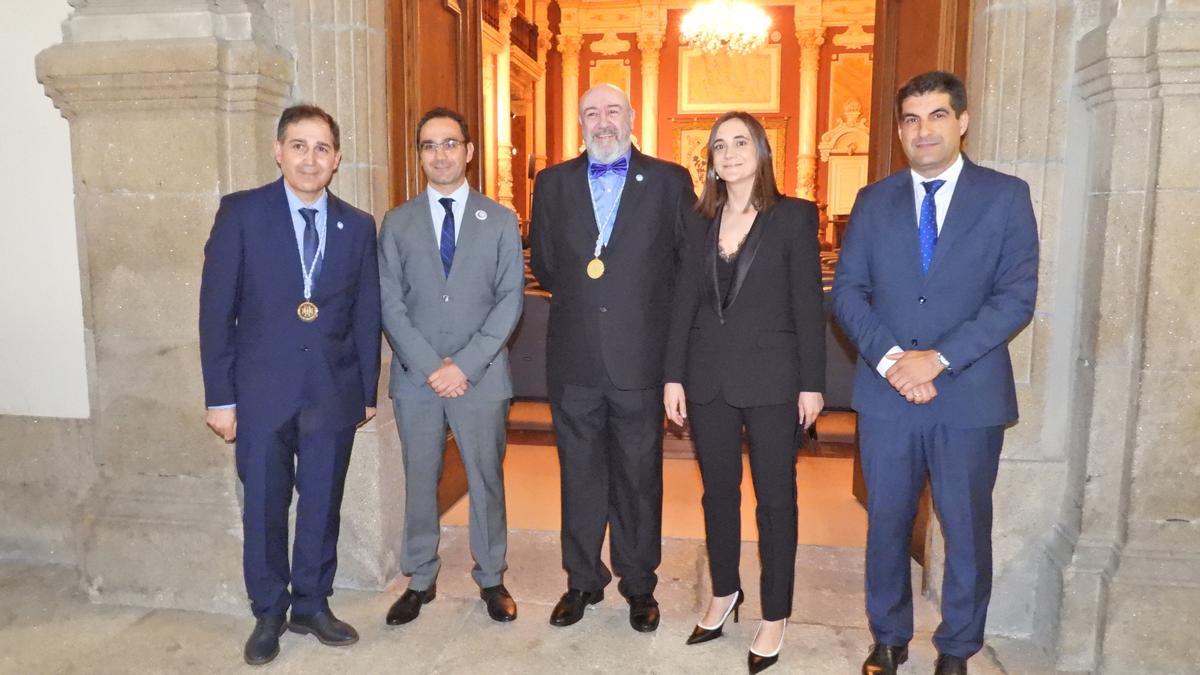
569	45
810	40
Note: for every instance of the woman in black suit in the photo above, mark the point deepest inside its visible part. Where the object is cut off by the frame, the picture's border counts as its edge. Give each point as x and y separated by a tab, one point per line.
747	348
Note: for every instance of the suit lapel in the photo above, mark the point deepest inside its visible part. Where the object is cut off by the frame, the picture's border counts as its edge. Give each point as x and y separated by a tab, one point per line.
961	215
746	257
279	220
631	195
337	247
424	240
710	266
582	220
469	233
907	237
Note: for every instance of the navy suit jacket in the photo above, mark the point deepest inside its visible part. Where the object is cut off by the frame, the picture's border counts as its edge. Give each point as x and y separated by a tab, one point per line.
979	291
254	350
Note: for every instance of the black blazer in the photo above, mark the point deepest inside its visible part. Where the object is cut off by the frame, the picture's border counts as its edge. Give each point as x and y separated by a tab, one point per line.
616	324
766	343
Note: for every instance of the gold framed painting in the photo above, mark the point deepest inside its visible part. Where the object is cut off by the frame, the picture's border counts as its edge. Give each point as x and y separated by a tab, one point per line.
715	83
691	146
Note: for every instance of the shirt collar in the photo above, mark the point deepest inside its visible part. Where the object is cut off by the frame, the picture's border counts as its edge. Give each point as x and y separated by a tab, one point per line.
950	175
295	203
459	195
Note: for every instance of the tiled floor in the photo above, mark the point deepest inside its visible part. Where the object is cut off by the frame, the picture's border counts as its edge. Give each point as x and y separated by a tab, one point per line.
829	515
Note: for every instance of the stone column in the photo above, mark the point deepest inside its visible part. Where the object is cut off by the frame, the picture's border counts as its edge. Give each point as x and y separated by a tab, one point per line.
489	123
569	46
504	149
1135	568
540	120
649	44
810	40
169	107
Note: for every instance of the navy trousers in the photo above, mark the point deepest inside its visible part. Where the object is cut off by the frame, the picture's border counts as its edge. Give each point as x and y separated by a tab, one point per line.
270	464
961	465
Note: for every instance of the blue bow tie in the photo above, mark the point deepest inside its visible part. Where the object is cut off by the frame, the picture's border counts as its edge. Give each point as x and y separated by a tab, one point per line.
619	167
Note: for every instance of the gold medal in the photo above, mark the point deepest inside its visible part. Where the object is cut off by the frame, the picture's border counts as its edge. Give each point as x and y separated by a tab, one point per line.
307	311
595	268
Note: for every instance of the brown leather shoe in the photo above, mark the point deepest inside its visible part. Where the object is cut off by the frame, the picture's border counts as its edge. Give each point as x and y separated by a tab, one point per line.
500	605
884	659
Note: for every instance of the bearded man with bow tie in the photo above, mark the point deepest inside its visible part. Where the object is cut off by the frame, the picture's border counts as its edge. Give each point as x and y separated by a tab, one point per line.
607	232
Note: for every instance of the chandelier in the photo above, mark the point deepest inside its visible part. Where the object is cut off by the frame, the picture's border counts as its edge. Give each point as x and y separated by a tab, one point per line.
725	25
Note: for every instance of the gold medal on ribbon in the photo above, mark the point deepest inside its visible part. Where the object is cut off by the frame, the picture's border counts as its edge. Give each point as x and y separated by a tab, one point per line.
307	311
595	268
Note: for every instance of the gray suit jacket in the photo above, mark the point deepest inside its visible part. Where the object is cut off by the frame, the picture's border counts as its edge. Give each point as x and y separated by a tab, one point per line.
468	316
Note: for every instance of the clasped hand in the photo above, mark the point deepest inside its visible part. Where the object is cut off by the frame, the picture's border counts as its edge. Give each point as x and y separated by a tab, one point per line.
448	381
913	373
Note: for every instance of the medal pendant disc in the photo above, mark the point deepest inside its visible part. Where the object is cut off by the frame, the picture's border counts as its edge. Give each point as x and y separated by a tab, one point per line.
307	311
595	268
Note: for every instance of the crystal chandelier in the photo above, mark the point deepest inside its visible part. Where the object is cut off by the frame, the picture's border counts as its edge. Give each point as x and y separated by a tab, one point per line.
725	25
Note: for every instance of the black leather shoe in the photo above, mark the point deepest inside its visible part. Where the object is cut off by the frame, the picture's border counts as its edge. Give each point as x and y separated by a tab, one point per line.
328	628
702	633
950	665
571	605
643	613
263	644
756	663
884	659
500	605
408	607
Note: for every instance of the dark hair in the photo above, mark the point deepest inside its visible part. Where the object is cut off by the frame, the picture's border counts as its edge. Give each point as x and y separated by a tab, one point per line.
306	111
934	81
764	194
444	112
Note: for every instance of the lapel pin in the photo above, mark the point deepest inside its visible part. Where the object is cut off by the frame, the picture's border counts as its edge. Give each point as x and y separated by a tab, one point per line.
639	178
340	226
481	214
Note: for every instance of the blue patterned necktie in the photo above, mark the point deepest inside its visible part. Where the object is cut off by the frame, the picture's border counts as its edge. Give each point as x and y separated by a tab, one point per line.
927	227
619	167
312	242
447	247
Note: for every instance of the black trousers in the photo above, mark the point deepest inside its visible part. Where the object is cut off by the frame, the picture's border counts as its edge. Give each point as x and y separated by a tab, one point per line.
716	428
610	458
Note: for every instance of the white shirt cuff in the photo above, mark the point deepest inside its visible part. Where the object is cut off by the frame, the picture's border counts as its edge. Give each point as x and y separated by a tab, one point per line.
885	363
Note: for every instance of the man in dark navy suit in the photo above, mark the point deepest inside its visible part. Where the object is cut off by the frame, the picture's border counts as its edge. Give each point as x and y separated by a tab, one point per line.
937	272
289	346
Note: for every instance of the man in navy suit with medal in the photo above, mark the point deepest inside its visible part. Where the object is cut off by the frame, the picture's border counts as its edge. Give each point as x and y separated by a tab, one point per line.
289	347
938	270
607	231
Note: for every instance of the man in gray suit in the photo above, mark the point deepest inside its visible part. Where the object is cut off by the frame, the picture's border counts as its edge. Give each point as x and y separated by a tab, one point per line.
452	278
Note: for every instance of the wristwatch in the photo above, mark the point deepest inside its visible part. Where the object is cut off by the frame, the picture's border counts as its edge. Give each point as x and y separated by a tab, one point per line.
942	360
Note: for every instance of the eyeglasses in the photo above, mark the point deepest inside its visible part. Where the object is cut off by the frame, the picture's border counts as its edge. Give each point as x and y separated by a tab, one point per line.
449	145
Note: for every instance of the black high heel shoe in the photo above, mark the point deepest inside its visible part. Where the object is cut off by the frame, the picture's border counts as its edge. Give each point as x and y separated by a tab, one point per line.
757	663
703	634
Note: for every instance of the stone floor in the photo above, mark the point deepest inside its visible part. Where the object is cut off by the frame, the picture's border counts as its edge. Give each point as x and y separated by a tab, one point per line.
47	625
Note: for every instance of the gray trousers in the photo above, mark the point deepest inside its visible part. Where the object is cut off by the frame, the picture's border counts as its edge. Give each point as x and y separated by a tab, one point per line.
479	430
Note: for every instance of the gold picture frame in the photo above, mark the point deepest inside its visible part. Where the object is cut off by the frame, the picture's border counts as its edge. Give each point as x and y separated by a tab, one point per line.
690	149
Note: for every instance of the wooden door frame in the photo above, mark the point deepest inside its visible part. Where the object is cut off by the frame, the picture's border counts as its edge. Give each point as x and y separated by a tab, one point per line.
403	70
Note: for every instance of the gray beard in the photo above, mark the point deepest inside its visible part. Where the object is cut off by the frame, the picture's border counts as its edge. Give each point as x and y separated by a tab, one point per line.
595	156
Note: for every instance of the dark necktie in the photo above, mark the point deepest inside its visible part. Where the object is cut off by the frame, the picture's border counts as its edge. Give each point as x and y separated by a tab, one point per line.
312	242
619	167
927	226
447	246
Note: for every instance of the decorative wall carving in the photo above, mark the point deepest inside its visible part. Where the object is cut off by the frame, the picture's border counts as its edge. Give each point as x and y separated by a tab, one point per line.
610	45
719	82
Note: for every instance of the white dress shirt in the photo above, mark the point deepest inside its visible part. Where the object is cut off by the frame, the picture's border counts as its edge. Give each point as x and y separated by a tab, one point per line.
941	201
458	208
